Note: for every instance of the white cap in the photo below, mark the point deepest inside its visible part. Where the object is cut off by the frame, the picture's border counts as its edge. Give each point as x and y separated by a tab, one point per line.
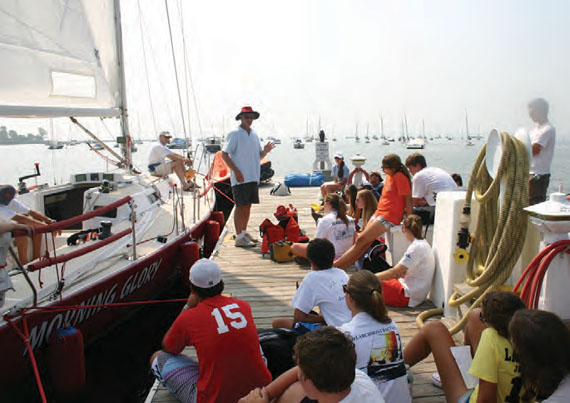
164	133
339	154
205	273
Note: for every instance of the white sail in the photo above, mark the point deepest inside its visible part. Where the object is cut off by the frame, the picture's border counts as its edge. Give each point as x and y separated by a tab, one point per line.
59	58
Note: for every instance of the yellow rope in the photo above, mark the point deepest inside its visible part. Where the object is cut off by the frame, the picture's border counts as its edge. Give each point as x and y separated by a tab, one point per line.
499	235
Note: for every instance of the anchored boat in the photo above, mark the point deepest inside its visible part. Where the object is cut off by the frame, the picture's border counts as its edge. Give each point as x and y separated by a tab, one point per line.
119	234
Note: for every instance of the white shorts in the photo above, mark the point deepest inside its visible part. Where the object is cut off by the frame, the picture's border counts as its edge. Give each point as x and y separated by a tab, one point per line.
163	169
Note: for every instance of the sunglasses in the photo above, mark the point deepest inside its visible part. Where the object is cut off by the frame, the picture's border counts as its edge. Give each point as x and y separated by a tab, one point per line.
345	289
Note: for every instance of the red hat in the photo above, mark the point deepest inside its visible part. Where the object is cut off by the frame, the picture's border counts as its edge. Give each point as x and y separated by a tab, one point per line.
248	110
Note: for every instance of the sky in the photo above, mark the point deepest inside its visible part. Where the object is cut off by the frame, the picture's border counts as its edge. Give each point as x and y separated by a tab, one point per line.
347	63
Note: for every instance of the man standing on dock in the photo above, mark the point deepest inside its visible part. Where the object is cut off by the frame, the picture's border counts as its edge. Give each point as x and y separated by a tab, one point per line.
242	153
542	138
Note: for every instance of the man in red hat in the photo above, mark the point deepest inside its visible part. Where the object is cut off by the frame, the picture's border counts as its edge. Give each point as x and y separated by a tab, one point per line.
242	153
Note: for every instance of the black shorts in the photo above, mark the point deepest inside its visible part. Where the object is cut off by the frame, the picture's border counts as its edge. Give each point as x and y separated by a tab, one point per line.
246	193
537	188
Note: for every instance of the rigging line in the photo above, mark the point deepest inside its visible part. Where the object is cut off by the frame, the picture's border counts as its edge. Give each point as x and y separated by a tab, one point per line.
160	83
146	69
191	85
175	68
106	128
188	144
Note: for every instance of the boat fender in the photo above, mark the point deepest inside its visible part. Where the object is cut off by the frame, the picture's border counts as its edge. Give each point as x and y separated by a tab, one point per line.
211	235
189	254
198	232
354	171
219	217
67	361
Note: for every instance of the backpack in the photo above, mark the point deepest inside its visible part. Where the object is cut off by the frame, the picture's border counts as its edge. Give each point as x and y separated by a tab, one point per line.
277	346
280	190
374	258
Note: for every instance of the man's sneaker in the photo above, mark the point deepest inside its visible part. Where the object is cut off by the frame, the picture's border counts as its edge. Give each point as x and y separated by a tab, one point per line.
244	242
436	380
250	237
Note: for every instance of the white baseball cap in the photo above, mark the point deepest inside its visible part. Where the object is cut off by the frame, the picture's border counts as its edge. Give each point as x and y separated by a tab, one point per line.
339	154
205	273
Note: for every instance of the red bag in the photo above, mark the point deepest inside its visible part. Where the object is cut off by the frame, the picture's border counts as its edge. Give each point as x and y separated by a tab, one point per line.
292	231
270	233
283	213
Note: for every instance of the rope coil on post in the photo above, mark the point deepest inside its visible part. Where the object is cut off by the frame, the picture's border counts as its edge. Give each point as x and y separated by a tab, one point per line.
499	235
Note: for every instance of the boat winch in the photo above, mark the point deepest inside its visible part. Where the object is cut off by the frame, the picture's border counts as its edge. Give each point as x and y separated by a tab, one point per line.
552	218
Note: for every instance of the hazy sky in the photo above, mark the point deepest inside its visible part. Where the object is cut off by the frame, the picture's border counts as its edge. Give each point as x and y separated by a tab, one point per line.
348	62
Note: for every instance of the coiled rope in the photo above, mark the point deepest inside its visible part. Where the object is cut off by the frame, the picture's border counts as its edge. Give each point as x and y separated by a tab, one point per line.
499	235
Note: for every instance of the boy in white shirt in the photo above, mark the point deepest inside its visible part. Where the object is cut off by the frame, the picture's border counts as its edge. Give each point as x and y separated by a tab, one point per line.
322	287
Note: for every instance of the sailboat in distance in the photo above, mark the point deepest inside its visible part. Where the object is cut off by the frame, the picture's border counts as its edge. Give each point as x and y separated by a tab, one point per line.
469	140
122	232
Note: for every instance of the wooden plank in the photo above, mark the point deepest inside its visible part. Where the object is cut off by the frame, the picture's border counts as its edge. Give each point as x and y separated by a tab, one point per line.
268	286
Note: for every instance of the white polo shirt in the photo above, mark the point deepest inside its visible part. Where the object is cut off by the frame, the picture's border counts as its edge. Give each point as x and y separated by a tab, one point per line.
158	153
545	135
244	150
429	181
420	262
14	207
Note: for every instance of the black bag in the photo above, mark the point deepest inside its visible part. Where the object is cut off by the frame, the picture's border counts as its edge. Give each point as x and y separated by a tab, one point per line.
373	259
277	346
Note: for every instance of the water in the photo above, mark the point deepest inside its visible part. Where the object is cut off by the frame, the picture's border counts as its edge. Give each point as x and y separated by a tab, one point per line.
453	156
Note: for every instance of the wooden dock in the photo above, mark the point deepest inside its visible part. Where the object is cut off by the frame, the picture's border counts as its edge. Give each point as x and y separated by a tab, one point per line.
268	286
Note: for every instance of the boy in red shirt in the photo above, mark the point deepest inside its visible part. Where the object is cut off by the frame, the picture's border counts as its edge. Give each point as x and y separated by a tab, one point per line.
222	330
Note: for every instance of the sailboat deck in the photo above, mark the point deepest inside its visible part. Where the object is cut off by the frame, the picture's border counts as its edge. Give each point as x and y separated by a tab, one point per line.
268	287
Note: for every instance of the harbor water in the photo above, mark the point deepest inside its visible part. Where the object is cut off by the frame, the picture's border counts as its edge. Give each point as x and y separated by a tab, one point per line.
453	156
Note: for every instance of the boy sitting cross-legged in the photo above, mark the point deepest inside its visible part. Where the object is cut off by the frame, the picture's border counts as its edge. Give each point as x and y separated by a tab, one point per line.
322	287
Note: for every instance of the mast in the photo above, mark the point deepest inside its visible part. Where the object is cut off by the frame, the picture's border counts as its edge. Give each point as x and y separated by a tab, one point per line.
423	129
124	115
382	126
467	126
406	127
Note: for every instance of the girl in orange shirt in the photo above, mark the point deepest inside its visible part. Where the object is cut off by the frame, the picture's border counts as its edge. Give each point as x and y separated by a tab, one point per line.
396	199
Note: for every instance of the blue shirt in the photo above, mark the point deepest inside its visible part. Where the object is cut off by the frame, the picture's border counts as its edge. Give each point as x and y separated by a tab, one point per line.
244	150
335	173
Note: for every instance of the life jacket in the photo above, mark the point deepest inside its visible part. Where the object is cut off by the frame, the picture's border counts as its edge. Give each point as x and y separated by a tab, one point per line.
287	229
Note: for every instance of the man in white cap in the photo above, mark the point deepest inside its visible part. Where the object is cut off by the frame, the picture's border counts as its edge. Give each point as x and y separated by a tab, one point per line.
222	330
163	161
242	153
340	175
